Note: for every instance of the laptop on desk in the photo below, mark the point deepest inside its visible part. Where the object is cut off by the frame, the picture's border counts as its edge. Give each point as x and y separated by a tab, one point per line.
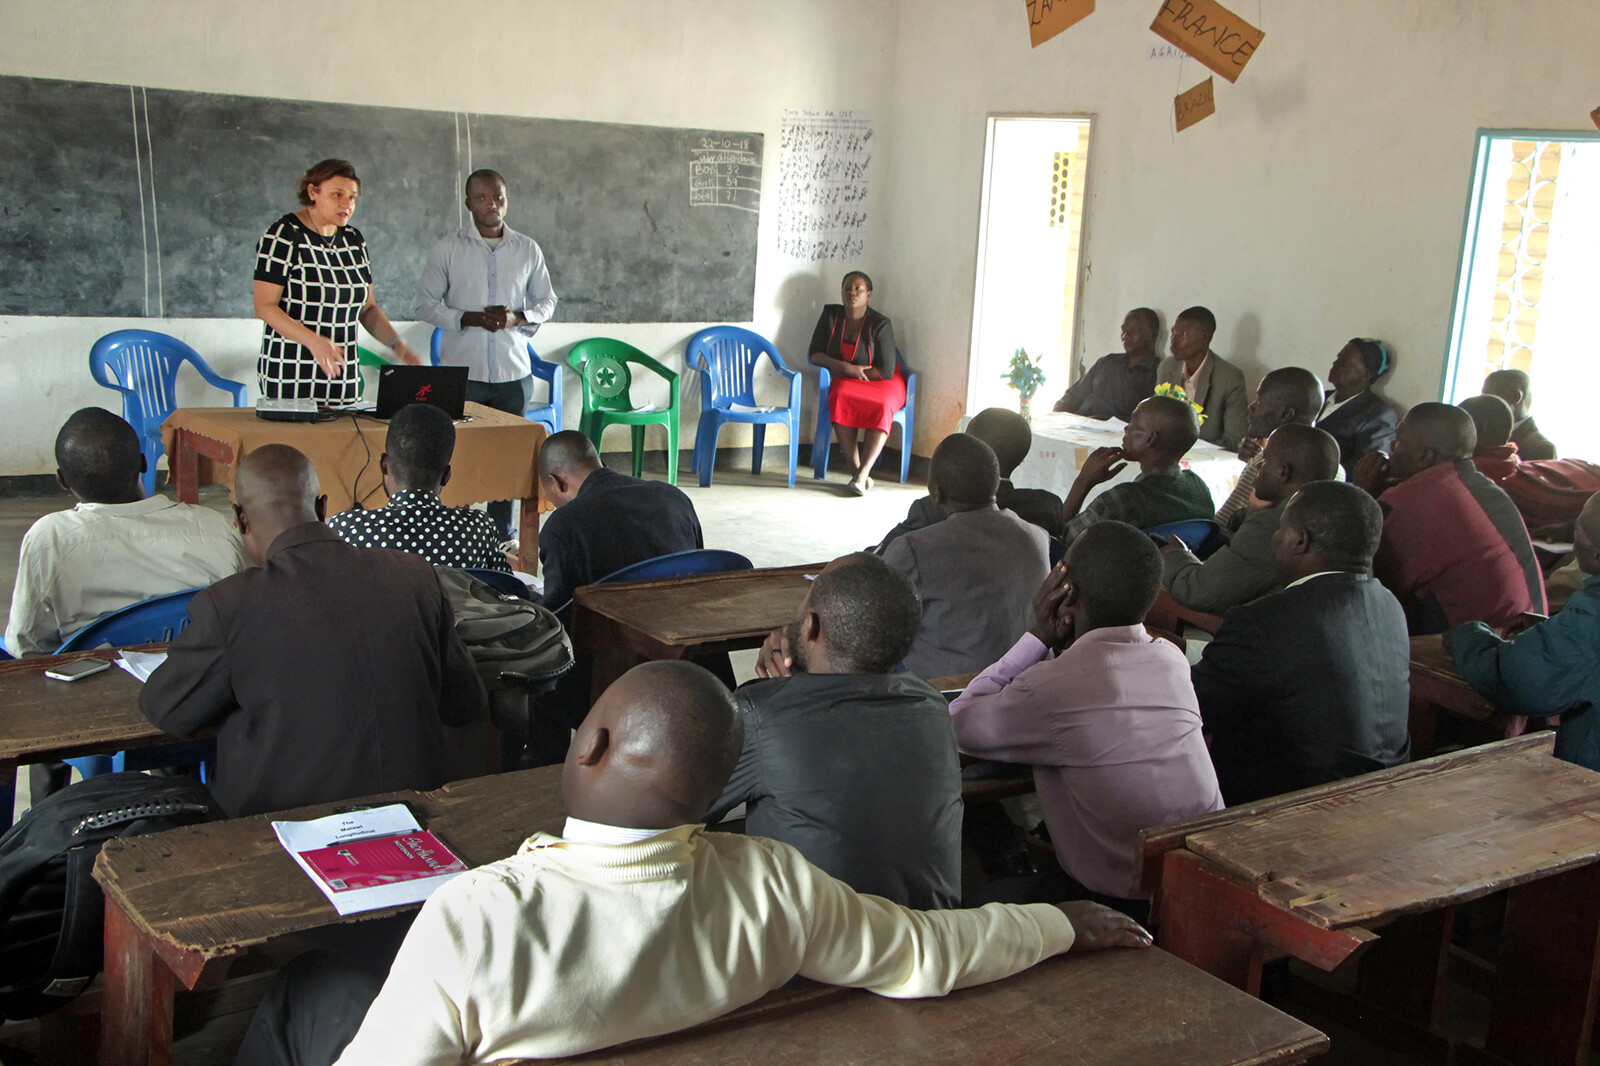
445	387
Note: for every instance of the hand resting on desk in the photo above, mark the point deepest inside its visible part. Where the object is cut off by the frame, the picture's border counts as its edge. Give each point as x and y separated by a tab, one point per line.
1098	927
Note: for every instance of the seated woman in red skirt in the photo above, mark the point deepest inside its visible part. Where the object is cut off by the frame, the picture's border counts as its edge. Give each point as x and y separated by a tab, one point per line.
856	345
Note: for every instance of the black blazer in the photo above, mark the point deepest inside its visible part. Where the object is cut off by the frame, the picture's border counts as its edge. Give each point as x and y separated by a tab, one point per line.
328	674
1307	685
1365	424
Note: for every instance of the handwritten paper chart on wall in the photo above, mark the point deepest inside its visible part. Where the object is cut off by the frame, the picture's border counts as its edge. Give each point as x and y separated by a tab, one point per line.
725	172
822	184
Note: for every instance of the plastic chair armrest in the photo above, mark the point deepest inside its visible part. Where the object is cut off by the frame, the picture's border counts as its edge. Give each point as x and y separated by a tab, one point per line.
98	372
239	392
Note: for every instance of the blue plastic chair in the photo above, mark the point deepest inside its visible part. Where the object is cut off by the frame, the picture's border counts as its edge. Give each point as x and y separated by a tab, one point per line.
157	619
501	581
142	365
604	365
677	564
547	414
1202	535
726	357
905	418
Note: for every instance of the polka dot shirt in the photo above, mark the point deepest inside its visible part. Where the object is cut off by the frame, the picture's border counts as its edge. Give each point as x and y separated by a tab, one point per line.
416	521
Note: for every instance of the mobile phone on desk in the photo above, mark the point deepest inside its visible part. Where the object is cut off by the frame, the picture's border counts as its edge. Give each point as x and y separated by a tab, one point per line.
76	669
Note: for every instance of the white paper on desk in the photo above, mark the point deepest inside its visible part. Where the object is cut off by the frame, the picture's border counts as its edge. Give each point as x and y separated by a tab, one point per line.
390	820
535	584
141	664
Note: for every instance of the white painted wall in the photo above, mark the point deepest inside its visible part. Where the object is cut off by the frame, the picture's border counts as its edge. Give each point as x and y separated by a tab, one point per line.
1324	200
724	64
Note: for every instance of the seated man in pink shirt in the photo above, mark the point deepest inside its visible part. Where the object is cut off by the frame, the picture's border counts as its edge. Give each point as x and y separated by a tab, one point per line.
1104	713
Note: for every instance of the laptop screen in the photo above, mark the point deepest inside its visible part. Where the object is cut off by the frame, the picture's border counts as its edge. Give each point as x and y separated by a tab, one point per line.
445	387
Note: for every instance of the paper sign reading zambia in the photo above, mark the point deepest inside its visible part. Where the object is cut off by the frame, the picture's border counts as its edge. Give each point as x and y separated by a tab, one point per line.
1046	18
1210	32
1192	106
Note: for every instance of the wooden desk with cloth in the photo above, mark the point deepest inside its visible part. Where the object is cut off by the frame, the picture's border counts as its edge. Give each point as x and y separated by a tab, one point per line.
1111	1008
496	458
624	624
1319	874
181	905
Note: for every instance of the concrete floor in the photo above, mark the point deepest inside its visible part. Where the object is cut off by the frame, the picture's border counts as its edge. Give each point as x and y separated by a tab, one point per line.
757	516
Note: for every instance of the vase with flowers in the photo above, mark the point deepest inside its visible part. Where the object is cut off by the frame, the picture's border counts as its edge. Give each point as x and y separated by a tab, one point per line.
1025	374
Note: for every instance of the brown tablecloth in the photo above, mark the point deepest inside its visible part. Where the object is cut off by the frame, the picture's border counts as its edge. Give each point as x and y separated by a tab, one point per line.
496	457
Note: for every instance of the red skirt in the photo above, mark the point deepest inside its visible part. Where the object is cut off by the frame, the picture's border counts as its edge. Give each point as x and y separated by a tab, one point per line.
866	404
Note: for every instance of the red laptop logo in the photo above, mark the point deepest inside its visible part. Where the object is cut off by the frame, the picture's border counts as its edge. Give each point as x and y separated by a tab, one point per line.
422	393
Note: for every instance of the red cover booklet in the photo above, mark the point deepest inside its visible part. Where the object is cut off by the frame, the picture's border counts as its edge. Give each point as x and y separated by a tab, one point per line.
370	858
383	861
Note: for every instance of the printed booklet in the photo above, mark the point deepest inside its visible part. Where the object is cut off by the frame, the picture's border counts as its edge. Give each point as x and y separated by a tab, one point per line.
367	859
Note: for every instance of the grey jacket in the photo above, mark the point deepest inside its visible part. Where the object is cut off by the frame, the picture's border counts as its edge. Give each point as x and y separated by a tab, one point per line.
977	572
1220	392
1238	572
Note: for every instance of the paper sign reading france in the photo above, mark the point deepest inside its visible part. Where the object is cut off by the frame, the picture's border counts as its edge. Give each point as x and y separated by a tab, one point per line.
1210	32
1192	106
1046	18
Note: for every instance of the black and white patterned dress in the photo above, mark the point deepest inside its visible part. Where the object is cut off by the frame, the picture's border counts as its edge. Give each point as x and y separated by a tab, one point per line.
325	284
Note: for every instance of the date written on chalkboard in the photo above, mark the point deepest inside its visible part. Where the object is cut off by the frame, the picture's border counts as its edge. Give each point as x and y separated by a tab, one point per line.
725	172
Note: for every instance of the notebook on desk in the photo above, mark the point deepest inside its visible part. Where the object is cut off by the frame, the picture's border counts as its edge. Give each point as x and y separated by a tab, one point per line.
445	387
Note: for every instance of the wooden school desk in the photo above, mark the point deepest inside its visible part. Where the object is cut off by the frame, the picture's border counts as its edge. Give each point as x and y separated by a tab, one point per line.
43	720
1318	873
624	624
1109	1008
181	904
496	458
1436	685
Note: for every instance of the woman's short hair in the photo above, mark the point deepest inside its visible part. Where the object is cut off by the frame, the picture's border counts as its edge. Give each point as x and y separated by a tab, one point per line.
862	274
321	172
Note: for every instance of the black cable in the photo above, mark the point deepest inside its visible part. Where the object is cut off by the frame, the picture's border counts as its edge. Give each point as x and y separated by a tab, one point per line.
355	488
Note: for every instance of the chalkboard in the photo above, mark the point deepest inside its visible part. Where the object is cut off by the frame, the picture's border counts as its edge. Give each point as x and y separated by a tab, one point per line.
71	237
135	202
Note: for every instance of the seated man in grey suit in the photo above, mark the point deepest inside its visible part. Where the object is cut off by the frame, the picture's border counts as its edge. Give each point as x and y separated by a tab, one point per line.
1009	434
976	571
1210	380
1295	456
1310	684
846	759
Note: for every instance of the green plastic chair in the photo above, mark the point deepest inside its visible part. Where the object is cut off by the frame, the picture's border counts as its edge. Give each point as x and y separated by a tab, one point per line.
603	366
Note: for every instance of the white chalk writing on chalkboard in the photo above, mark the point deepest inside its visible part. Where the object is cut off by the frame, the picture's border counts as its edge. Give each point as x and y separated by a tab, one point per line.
725	172
822	184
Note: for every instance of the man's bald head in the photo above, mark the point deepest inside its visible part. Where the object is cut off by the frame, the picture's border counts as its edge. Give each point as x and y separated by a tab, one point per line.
98	458
565	460
866	617
963	473
1295	456
655	751
1005	431
1163	428
1491	418
1515	387
274	488
1430	434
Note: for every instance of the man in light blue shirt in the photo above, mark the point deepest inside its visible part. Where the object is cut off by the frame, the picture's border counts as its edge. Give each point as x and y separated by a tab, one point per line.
487	289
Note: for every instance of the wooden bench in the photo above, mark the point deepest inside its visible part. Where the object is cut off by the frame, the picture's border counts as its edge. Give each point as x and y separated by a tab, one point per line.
1111	1008
627	623
43	720
1314	874
181	905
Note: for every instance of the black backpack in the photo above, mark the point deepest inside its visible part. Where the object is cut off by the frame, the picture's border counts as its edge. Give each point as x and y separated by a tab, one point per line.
514	642
52	915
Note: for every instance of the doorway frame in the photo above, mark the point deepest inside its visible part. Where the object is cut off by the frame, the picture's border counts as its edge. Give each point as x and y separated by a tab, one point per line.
1470	231
1091	120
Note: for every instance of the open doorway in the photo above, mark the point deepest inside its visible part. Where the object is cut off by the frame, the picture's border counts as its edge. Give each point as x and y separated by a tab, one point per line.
1030	233
1530	266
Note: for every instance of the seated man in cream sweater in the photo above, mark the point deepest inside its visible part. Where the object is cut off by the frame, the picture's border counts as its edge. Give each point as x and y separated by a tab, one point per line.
636	922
